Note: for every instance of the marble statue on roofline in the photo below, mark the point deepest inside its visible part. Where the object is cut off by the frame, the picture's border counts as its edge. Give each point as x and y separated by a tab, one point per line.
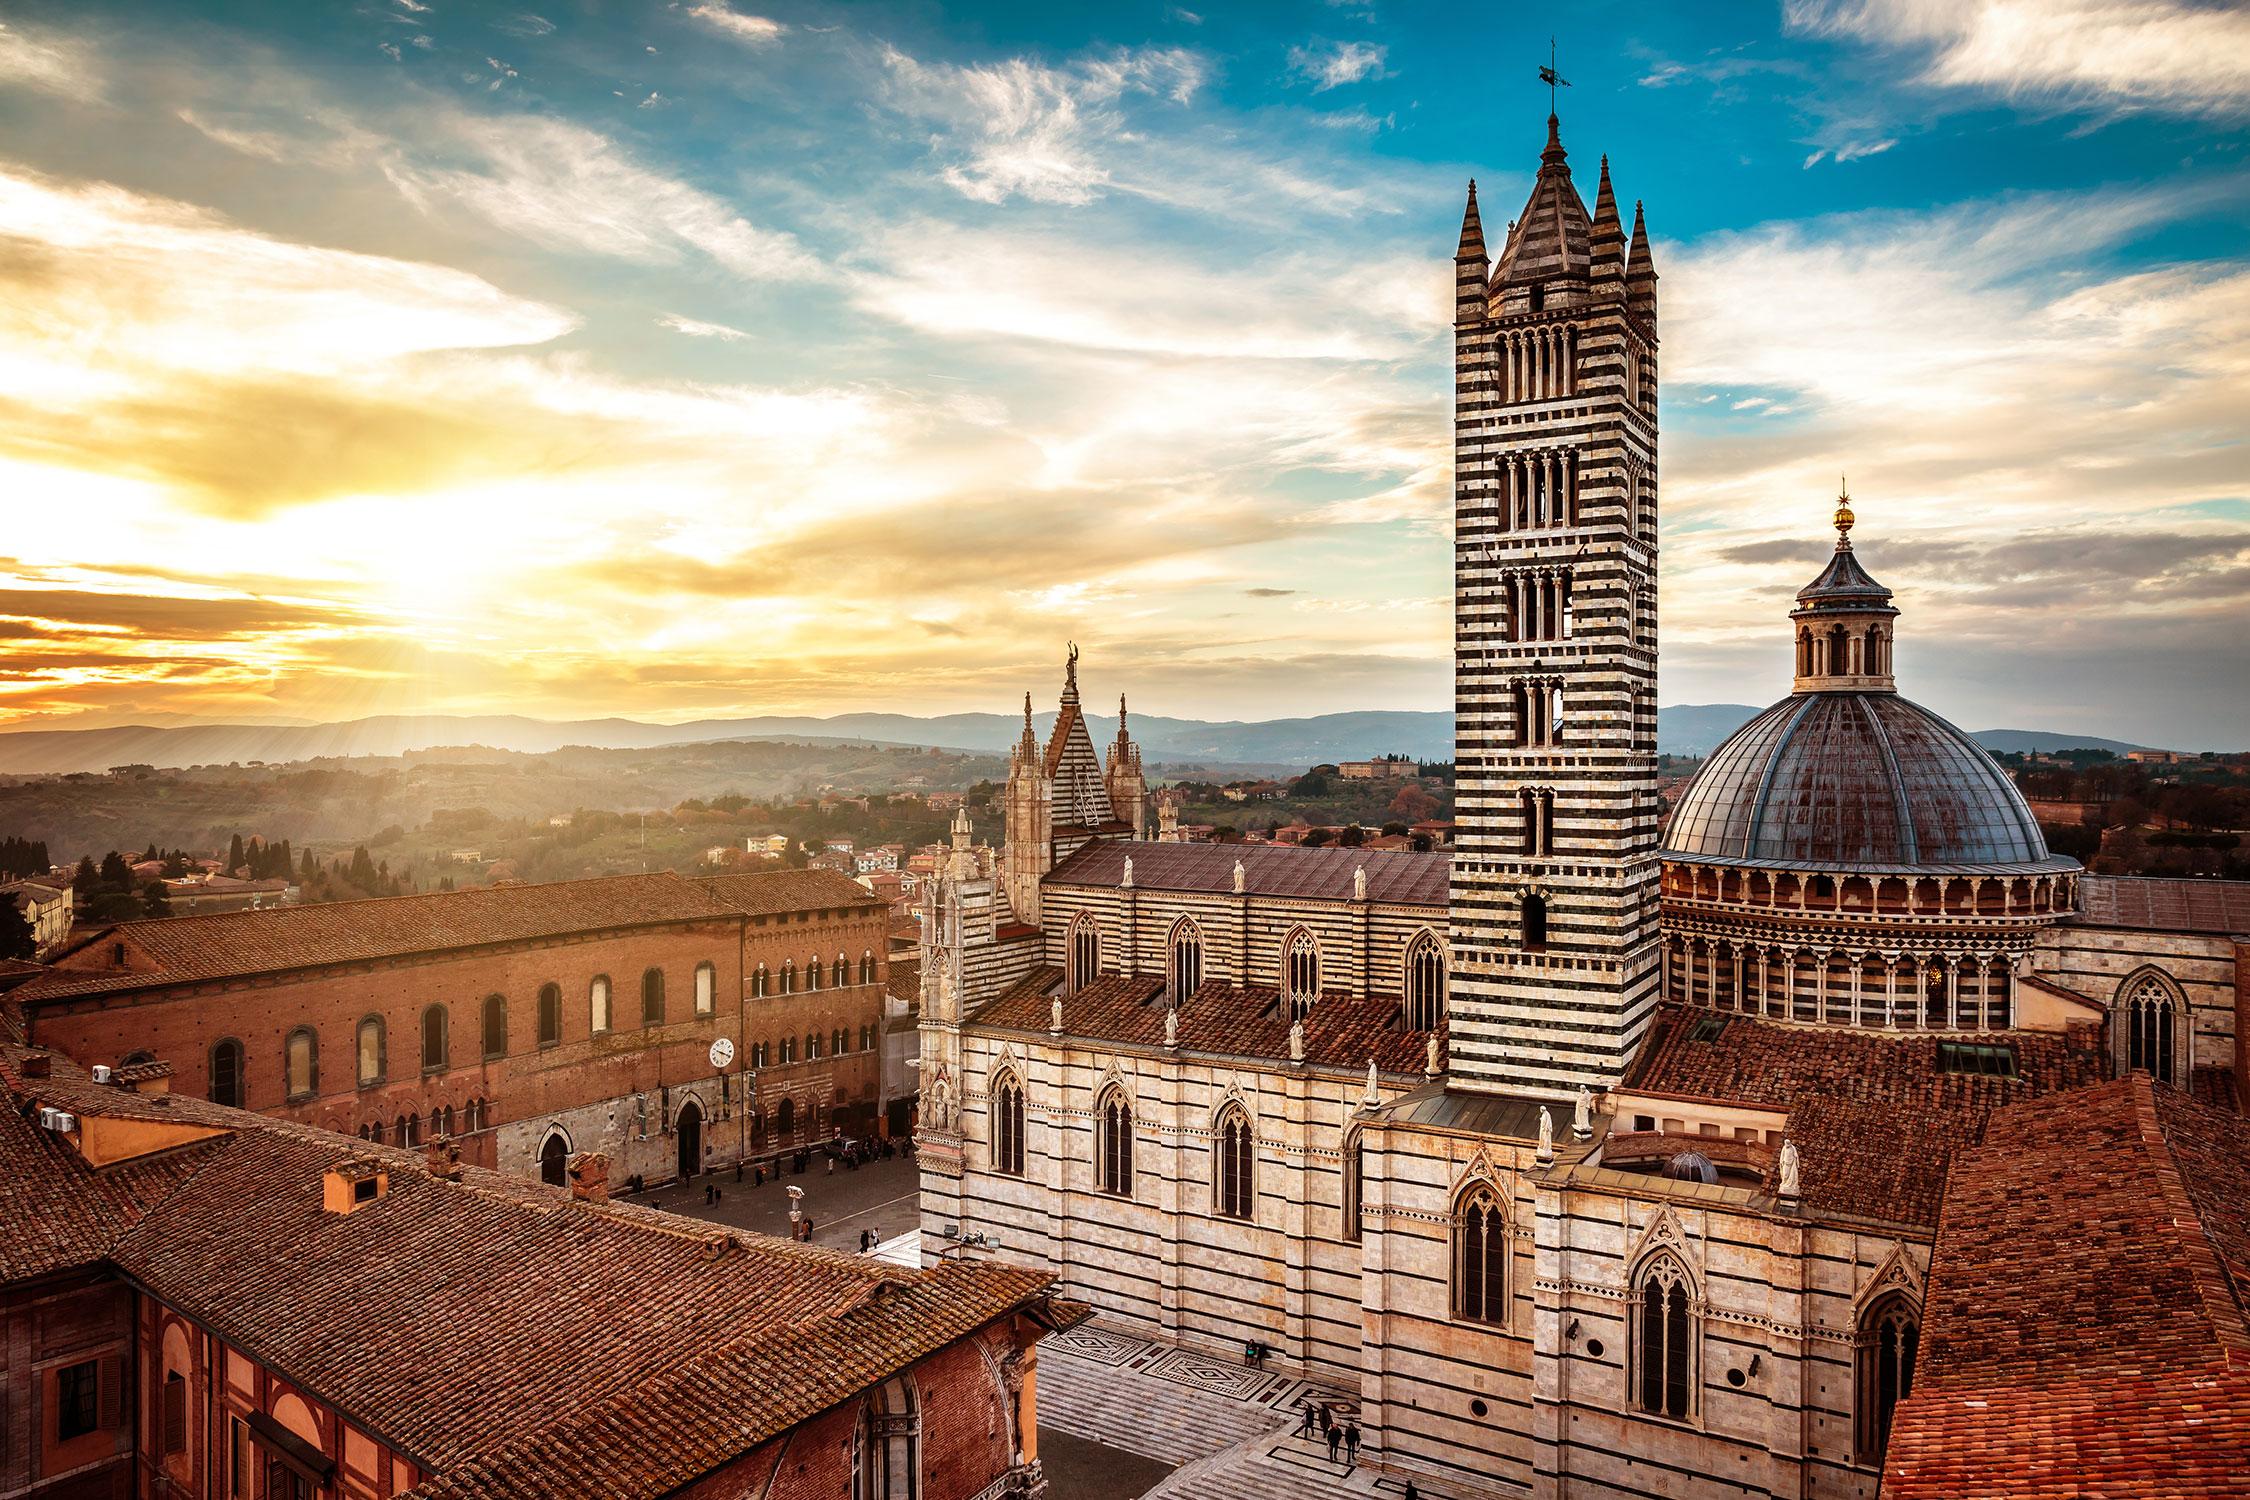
1791	1167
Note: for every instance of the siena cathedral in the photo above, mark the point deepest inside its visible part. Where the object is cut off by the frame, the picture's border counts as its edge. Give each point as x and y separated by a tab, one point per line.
1777	1149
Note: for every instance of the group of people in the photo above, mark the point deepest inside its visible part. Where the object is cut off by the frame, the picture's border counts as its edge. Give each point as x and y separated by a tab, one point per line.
1342	1436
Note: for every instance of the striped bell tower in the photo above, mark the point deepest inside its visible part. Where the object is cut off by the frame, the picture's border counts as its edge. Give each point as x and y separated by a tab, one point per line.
1554	902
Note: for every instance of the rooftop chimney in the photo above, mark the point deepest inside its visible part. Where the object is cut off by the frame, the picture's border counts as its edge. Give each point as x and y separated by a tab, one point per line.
36	1065
352	1184
443	1158
589	1177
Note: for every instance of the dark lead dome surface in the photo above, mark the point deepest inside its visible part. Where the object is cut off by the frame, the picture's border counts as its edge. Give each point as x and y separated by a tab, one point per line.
1854	779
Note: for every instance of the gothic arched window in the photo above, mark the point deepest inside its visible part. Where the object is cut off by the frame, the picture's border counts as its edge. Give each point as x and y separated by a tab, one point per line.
550	1014
436	1039
789	976
1113	1144
1889	1338
1085	954
1232	1148
890	1444
839	972
1425	983
597	1004
1007	1126
1355	1184
495	1026
301	1062
2148	1016
1663	1339
1186	975
706	987
1534	923
652	997
1480	1257
374	1052
867	967
1300	973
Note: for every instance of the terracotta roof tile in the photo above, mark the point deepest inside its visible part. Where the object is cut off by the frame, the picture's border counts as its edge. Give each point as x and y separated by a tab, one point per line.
2084	1333
1397	877
514	1341
764	892
1873	1117
1218	1018
2220	907
280	938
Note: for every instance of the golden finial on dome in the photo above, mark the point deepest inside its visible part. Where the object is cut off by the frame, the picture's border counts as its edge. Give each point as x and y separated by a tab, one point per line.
1844	516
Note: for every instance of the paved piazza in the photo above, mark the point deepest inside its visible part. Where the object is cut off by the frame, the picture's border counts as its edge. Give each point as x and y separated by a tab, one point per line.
1230	1429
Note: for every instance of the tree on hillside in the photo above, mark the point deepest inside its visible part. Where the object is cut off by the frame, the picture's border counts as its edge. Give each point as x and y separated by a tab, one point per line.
16	940
1413	805
87	877
235	860
116	874
154	903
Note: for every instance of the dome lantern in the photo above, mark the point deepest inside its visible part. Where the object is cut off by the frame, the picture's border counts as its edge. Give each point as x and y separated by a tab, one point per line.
1843	621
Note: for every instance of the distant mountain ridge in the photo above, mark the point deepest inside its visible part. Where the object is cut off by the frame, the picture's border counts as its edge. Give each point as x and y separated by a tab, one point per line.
1685	729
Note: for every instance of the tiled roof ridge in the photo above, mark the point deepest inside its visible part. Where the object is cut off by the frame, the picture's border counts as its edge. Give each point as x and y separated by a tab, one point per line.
2222	1296
672	1384
362	903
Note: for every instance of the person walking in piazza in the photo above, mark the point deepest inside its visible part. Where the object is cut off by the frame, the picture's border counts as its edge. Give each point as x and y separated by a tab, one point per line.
1307	1429
1335	1441
1351	1442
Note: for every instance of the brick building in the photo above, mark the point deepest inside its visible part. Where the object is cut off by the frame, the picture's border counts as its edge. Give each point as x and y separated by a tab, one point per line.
815	960
528	1022
199	1301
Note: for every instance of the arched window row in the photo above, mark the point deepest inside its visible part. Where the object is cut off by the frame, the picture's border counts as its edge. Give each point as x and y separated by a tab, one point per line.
1841	652
1113	1144
437	1039
706	987
760	983
598	1004
1233	1149
1184	972
1538	703
867	967
1538	491
1664	1339
1354	1185
1890	1337
1537	364
1007	1126
1539	605
1300	973
2150	1028
1480	1257
1842	986
301	1063
652	997
1537	806
550	1015
495	1026
1423	1002
1082	955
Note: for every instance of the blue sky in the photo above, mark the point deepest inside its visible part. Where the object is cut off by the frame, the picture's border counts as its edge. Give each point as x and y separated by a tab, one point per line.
714	358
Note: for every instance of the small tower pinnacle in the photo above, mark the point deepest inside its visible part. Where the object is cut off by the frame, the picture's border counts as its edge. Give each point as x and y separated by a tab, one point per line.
1472	229
1844	516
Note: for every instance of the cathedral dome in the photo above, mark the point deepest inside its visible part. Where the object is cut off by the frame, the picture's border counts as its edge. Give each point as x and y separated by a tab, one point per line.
1846	774
1854	780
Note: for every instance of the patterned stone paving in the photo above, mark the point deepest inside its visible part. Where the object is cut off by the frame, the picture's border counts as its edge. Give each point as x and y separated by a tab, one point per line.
1229	1427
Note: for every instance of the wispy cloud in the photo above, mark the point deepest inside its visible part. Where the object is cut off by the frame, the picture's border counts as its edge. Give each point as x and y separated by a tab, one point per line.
758	31
2153	54
49	63
1017	128
565	186
696	328
1333	66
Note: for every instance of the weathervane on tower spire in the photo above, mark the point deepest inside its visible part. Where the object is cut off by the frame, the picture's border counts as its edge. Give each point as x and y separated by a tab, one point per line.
1551	78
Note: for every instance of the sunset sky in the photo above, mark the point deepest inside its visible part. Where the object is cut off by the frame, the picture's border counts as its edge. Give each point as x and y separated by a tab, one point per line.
716	358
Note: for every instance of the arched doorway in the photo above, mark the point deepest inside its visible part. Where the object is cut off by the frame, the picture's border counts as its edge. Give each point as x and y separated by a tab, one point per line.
785	1120
553	1155
689	1128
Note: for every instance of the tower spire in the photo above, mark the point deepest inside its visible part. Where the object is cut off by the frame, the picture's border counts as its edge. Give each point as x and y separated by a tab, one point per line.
1472	229
1640	272
1605	239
